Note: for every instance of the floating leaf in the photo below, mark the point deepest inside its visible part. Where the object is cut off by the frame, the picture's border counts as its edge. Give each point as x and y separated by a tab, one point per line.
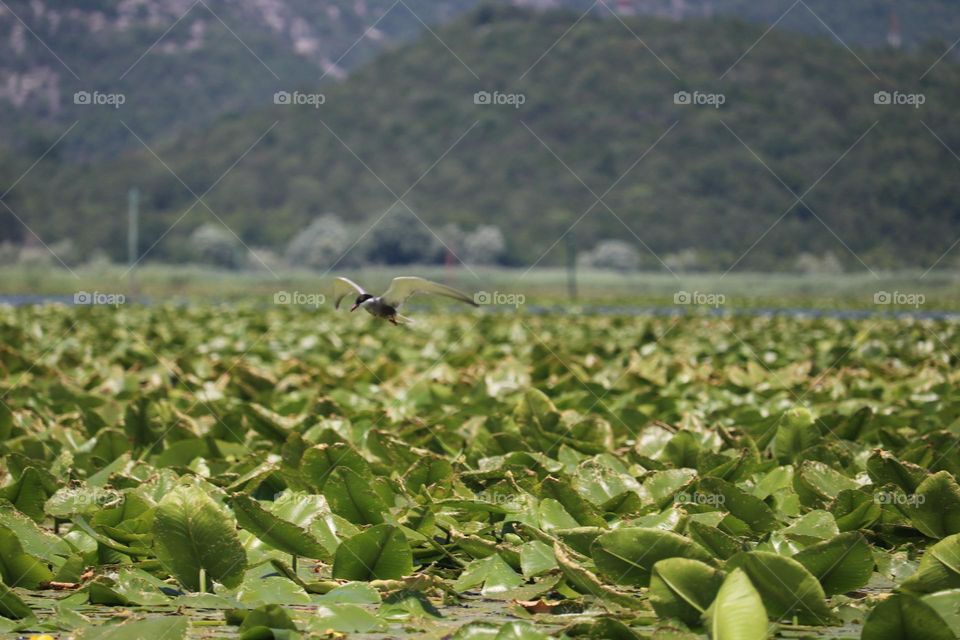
854	509
796	433
269	617
905	617
585	581
321	461
351	497
83	499
785	585
714	540
258	590
6	422
28	494
939	568
427	472
935	509
663	486
492	573
573	503
519	630
34	540
11	606
947	605
406	604
351	593
815	526
130	587
738	612
161	627
192	533
817	484
749	509
841	564
536	558
683	589
884	468
626	556
17	567
276	532
343	618
552	516
379	553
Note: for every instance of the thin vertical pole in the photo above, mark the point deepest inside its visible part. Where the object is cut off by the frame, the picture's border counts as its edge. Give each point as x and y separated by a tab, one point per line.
133	239
572	267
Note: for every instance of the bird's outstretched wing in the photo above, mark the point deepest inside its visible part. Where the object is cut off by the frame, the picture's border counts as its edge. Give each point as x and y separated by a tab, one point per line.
403	287
342	287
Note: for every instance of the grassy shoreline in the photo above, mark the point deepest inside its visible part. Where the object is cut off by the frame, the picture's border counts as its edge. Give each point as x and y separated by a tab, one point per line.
541	287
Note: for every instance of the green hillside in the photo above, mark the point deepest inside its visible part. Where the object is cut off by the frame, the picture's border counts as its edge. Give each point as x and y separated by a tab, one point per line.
598	100
178	64
856	22
182	64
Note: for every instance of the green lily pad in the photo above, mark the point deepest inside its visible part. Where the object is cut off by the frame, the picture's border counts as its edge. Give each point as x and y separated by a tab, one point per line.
379	553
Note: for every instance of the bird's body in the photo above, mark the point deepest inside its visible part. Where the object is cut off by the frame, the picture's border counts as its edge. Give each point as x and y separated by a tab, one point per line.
378	308
401	288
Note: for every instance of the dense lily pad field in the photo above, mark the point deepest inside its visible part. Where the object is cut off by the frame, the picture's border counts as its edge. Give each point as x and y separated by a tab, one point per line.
170	472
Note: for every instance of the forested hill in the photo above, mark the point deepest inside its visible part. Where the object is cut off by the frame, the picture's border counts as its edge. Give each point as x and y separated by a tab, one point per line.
876	183
869	23
180	64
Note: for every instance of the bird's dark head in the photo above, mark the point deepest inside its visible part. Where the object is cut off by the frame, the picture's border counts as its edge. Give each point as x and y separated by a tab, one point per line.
363	297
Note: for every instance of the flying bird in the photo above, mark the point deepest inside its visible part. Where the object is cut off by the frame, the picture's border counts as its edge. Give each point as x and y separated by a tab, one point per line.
386	305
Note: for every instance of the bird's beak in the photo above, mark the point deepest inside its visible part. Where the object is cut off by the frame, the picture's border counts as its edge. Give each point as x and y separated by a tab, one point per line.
354	307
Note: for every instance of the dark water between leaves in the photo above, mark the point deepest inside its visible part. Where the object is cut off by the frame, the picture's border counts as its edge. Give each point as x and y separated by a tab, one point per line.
210	622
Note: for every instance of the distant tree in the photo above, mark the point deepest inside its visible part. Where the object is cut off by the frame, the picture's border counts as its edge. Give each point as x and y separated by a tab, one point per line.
261	259
485	245
612	254
66	252
35	256
813	264
320	245
683	260
98	259
55	254
11	231
400	238
453	237
216	245
9	253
